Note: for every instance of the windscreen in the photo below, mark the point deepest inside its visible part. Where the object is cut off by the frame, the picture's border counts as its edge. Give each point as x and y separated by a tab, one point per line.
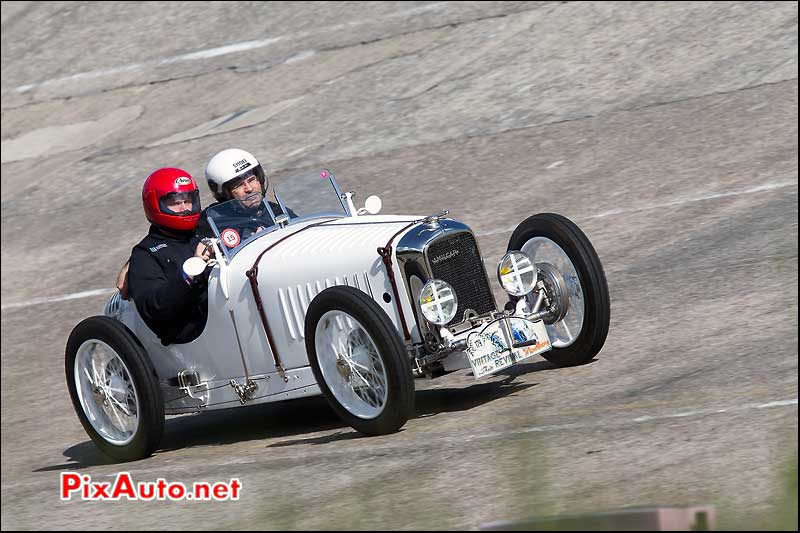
311	194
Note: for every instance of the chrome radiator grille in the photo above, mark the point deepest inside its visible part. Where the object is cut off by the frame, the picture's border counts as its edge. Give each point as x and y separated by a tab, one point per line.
455	259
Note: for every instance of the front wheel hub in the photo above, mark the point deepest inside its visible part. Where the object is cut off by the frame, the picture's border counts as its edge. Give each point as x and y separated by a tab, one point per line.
555	287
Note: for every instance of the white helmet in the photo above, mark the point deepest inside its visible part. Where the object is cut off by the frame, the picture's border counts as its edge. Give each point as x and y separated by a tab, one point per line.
228	165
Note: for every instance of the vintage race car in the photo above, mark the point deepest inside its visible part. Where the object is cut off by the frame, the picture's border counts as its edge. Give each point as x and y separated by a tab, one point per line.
325	298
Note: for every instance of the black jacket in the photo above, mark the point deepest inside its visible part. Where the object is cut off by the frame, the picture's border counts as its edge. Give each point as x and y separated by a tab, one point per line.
175	310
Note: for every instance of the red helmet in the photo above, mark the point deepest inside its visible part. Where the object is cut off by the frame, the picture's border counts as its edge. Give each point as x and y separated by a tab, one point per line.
167	189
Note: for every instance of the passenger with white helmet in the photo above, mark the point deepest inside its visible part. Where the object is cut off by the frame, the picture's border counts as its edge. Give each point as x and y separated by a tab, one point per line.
236	174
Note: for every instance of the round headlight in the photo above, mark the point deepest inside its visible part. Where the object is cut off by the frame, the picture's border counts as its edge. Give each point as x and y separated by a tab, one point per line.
517	273
438	302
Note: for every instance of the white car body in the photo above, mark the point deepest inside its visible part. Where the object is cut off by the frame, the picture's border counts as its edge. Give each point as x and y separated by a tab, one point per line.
342	252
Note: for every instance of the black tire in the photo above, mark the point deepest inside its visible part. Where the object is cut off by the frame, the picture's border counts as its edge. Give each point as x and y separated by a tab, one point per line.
142	374
399	405
597	306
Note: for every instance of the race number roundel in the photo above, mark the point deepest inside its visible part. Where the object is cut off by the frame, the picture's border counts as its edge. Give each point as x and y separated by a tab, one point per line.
230	237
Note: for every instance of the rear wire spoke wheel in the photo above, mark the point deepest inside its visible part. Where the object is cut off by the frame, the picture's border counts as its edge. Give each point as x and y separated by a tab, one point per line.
106	392
574	279
114	389
359	361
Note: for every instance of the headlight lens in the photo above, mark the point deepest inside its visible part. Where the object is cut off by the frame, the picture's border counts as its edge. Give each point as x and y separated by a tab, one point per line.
517	273
438	302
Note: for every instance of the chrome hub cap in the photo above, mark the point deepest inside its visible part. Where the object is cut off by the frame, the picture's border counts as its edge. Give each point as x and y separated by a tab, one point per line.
555	287
563	332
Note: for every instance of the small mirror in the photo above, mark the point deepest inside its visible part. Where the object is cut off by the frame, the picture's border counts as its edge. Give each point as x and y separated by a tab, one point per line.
194	266
373	205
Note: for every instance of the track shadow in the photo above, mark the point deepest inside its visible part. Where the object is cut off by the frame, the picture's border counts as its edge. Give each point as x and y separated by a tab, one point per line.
297	417
431	402
218	428
520	369
257	422
80	456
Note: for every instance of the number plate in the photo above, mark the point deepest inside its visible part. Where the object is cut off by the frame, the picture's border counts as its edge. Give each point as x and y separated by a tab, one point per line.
490	350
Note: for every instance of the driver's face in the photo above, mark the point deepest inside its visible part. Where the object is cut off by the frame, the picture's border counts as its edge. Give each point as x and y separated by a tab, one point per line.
248	191
179	202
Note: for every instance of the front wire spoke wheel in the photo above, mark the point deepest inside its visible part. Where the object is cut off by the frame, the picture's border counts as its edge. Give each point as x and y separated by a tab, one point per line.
359	361
362	396
575	284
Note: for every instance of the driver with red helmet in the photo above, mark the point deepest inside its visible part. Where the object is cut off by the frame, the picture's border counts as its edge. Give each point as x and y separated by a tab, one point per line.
171	303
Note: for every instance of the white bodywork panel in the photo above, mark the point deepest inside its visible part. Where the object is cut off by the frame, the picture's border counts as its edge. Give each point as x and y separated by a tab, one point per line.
290	275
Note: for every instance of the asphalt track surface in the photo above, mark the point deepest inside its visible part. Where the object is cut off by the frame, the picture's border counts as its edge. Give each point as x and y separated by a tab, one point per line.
668	132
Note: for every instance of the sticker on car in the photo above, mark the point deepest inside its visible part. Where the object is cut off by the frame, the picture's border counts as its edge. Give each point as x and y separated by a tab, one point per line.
231	237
